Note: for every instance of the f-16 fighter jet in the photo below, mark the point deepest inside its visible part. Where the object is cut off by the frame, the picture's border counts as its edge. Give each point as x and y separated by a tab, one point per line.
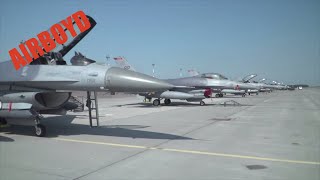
197	88
33	90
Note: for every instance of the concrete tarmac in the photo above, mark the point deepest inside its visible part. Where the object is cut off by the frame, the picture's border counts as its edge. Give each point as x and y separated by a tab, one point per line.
268	136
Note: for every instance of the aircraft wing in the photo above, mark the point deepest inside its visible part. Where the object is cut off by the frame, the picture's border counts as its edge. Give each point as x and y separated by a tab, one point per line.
31	85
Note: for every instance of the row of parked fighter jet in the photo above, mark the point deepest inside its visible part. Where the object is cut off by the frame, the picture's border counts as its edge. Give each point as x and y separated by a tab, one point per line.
199	86
45	86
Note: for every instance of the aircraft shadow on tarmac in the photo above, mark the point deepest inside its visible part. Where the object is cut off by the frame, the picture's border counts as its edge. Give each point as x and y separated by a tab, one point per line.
5	139
62	125
173	104
233	97
150	105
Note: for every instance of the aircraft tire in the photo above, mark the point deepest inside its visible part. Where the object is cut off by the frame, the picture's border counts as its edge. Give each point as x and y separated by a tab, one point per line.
167	101
156	102
243	95
202	103
3	121
40	130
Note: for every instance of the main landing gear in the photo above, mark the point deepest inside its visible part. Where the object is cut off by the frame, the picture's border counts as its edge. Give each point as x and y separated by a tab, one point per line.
219	95
167	101
156	102
3	122
243	95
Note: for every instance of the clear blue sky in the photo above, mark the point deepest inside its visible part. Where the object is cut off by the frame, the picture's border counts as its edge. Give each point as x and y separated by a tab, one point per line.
277	39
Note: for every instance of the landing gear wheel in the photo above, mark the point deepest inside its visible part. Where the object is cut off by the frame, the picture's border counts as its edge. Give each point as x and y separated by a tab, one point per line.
156	102
221	95
3	121
202	103
217	95
40	130
243	95
167	101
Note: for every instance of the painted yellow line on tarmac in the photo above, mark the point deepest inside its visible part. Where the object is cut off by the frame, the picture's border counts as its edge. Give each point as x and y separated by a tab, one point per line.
193	152
103	143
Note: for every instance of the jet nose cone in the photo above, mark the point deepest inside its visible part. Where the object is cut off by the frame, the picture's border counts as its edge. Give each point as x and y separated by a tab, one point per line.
121	80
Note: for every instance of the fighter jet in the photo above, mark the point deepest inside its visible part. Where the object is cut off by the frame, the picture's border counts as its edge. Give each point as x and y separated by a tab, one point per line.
34	90
259	86
197	88
262	87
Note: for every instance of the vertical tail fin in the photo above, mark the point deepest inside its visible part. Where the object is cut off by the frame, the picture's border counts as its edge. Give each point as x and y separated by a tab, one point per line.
193	72
123	63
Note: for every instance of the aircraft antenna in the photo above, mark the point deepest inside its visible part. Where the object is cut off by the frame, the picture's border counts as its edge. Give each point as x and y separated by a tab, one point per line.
107	62
153	65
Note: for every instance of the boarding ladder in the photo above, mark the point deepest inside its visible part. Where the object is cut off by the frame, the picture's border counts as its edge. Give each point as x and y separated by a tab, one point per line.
92	104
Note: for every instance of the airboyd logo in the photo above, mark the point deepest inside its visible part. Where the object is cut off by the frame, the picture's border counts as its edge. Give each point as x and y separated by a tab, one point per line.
46	40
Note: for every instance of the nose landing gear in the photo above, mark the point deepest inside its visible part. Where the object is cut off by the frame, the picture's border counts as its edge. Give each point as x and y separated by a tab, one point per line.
40	130
219	95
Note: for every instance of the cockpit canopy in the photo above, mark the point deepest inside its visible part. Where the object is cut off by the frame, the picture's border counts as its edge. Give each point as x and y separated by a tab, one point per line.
80	60
216	76
51	58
